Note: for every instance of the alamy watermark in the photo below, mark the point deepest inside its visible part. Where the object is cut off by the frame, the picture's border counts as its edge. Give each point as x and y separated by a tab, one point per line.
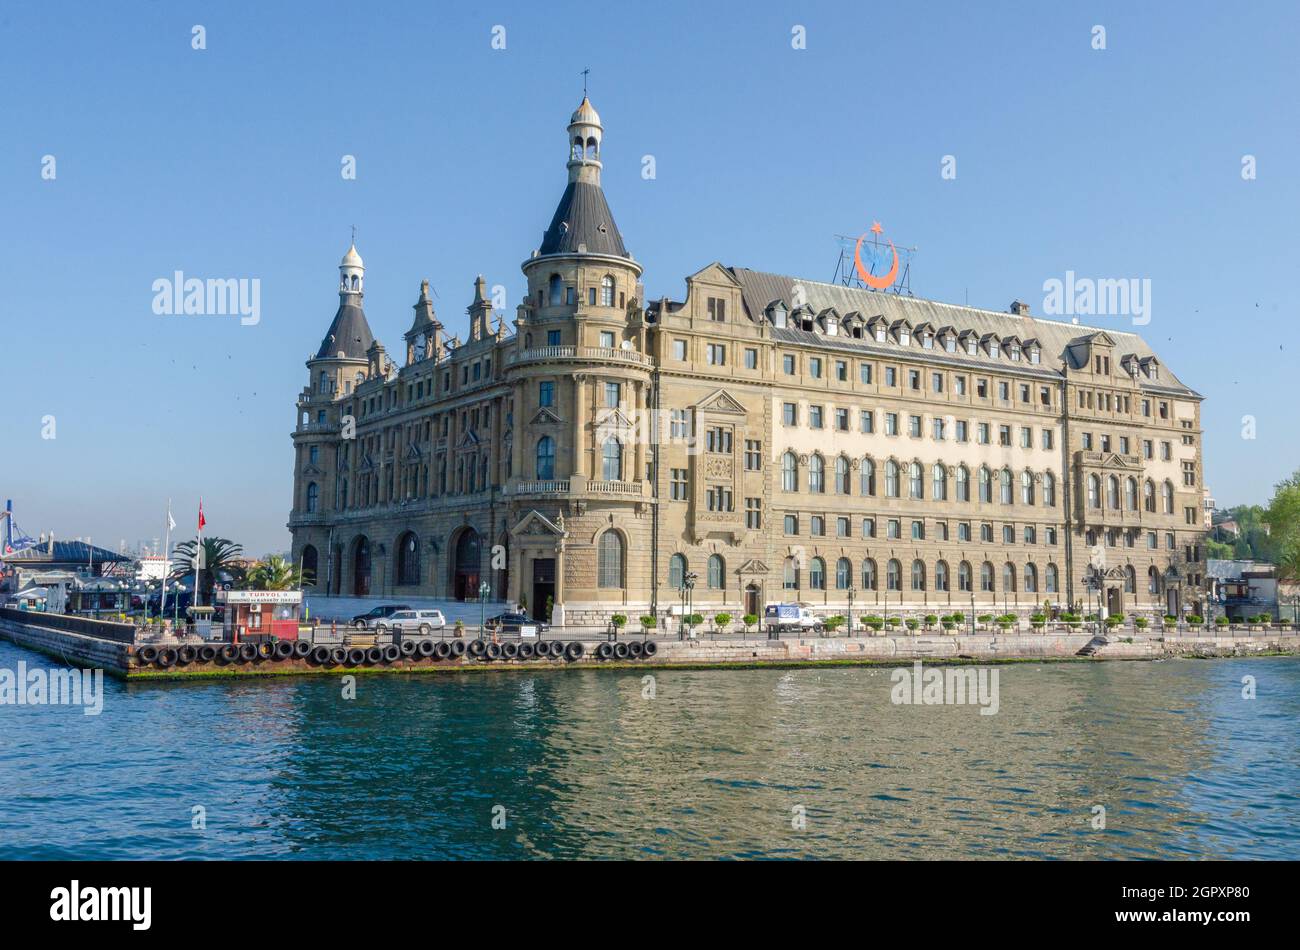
949	686
65	686
216	296
1098	297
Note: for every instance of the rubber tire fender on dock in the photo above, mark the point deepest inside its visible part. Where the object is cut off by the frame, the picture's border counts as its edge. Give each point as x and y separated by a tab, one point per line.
526	651
493	651
186	655
247	652
409	647
302	649
557	649
621	651
441	649
166	657
338	656
634	649
458	648
375	655
392	653
604	651
649	648
477	648
283	649
320	656
146	655
356	656
228	654
574	651
207	653
265	651
510	649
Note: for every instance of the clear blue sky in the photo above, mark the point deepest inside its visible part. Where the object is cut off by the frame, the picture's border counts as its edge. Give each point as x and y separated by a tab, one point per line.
225	163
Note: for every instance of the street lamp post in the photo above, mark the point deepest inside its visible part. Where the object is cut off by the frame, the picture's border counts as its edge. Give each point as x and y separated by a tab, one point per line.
484	589
688	583
850	610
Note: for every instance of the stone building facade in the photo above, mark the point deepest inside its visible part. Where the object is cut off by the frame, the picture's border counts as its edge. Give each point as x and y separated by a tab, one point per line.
765	438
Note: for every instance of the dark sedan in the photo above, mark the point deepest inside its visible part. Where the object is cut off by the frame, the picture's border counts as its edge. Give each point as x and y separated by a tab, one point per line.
511	623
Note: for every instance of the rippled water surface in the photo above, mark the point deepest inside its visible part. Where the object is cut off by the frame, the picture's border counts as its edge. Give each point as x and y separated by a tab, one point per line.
717	764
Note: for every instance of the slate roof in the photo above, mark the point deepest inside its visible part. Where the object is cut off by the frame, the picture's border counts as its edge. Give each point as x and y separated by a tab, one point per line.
583	217
758	289
350	332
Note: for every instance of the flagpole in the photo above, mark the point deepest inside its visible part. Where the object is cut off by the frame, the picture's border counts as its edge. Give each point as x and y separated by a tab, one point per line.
167	563
198	554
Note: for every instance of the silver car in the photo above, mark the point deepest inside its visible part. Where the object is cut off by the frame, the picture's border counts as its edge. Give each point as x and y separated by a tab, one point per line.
412	622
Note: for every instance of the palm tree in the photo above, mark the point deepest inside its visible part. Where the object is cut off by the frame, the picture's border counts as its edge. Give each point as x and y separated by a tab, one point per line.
275	573
219	554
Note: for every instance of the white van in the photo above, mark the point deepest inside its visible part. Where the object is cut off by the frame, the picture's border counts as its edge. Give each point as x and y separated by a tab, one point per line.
413	622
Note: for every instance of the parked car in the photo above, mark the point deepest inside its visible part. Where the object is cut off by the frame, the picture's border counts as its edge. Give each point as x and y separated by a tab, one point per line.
512	623
369	619
411	622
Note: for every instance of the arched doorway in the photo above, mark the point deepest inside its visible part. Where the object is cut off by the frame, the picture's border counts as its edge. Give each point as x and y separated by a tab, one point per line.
752	605
361	567
466	565
408	560
308	561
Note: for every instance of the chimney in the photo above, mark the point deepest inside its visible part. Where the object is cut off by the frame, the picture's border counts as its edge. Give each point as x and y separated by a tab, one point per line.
1019	308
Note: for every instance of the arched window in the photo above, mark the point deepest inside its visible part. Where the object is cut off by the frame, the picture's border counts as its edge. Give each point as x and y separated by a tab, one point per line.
1130	580
322	385
817	574
1049	489
842	476
1094	491
893	575
313	496
1112	492
556	290
941	575
964	576
843	574
986	485
1131	494
986	577
609	571
1031	579
1153	580
1026	487
916	481
1149	496
1004	480
891	479
918	575
867	478
677	571
939	482
868	574
1050	578
546	458
789	472
717	572
816	473
611	454
790	574
963	483
607	291
1009	578
309	561
1169	497
408	559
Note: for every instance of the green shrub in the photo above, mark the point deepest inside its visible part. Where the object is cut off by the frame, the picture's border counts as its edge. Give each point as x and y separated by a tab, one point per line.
1170	620
1141	622
749	620
648	622
985	618
834	623
721	620
619	621
1220	621
1195	619
931	618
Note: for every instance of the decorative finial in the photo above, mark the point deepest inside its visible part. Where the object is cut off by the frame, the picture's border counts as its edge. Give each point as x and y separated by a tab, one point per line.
354	235
584	81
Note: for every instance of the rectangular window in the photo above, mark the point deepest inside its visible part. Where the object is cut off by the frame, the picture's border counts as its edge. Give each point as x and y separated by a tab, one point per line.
891	423
678	484
914	426
1047	438
716	354
753	513
959	385
1026	437
717	309
791	524
1004	436
939	432
552	339
613	392
936	382
914	379
894	528
753	455
842	420
789	414
817	526
679	349
842	528
546	393
842	371
982	433
606	339
751	358
815	417
815	367
864	373
867	421
868	527
891	376
962	434
787	364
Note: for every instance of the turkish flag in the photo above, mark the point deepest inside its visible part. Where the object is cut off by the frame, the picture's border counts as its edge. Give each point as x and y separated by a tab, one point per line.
202	520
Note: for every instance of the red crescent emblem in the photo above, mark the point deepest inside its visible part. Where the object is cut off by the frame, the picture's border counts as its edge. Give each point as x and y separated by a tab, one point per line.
876	283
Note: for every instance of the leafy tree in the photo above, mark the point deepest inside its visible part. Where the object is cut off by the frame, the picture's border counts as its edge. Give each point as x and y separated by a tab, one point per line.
275	573
220	555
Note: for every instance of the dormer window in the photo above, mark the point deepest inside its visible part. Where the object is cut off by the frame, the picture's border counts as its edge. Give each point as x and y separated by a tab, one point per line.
880	334
927	341
950	343
1034	354
832	326
972	347
995	349
777	312
904	336
1013	351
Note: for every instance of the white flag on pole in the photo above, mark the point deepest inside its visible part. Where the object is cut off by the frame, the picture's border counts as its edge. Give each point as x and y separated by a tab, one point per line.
171	522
